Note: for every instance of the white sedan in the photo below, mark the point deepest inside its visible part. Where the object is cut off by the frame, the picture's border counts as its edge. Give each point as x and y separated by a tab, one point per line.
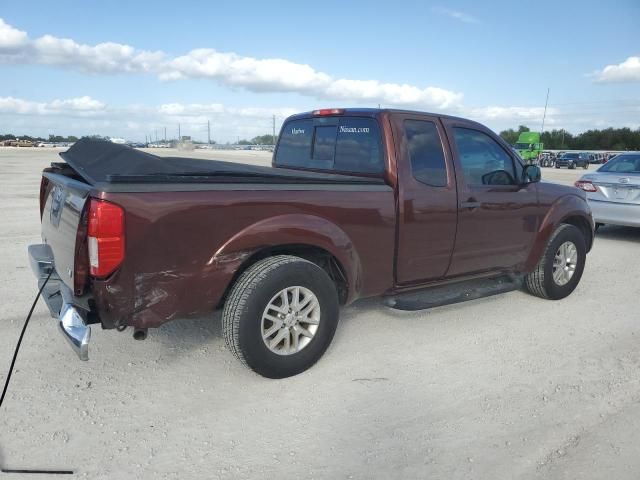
613	191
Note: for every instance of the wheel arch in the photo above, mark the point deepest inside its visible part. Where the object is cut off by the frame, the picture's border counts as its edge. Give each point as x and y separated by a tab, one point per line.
306	236
569	209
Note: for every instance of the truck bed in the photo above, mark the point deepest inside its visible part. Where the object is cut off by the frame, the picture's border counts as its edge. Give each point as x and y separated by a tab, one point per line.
99	163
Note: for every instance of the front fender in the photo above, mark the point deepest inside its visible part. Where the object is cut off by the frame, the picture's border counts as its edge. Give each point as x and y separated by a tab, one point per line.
296	229
560	210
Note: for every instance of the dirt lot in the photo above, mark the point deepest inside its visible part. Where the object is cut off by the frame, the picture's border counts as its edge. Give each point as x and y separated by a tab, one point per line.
505	387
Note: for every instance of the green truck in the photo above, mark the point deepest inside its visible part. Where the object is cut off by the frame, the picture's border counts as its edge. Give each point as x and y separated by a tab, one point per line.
529	146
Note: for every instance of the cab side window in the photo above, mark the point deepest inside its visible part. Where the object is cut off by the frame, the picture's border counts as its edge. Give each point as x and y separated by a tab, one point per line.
483	160
425	151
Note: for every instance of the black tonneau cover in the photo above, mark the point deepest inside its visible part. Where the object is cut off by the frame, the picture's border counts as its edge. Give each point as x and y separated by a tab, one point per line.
100	161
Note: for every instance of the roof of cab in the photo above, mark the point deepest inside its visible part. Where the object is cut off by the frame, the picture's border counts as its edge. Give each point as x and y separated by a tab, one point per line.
374	112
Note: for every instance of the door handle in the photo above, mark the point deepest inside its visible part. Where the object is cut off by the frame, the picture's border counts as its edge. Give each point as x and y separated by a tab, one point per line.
471	204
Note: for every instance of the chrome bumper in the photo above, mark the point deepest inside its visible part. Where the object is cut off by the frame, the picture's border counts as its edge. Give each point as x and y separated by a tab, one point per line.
72	317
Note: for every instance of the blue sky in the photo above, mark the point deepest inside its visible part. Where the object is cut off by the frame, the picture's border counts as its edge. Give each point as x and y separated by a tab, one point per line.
129	68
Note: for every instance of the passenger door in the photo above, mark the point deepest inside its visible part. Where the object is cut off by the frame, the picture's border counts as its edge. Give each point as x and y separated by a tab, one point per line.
497	216
427	203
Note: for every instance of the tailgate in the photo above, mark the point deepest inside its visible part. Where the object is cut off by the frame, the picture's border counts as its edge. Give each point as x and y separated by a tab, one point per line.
61	218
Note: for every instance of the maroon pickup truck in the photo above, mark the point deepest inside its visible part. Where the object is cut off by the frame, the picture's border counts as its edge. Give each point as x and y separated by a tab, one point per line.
418	208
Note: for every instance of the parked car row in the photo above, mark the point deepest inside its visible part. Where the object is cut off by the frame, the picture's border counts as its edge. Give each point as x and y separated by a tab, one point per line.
573	159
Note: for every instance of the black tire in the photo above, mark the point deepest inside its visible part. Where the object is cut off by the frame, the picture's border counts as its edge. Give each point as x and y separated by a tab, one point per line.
598	225
572	166
557	166
586	166
250	295
540	281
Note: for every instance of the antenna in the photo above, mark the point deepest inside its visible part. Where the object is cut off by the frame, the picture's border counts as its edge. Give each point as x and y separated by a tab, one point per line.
545	111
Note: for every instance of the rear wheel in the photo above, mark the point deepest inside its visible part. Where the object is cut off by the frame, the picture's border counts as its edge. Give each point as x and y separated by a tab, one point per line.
559	270
281	315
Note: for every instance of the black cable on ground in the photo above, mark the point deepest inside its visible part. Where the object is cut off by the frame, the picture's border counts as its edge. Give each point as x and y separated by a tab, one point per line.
8	379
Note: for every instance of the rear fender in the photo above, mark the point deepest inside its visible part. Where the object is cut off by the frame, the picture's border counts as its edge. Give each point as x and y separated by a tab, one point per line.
562	209
295	229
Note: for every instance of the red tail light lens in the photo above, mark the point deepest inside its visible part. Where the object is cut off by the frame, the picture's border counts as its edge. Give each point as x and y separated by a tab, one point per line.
328	111
44	183
586	185
105	233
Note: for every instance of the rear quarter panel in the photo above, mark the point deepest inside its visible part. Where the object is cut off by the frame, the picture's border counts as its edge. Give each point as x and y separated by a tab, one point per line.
183	248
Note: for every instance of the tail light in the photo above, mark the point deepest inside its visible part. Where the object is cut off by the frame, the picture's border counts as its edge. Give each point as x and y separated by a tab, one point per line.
586	185
328	111
44	183
105	236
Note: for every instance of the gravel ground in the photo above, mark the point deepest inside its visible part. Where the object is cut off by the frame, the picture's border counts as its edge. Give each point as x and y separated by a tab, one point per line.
505	387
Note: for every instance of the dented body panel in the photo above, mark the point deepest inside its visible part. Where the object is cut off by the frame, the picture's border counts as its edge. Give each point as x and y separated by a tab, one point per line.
184	248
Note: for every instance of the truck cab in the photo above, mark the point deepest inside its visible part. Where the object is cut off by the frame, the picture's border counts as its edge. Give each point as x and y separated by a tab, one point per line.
529	146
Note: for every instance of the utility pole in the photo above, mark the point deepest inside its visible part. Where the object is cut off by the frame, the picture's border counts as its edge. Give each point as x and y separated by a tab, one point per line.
156	135
274	130
165	134
545	111
208	132
179	136
562	143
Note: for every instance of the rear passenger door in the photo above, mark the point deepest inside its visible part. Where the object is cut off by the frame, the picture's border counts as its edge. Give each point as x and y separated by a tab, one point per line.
427	203
497	215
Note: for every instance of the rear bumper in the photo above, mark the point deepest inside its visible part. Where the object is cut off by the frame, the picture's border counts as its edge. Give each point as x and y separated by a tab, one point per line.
71	311
613	213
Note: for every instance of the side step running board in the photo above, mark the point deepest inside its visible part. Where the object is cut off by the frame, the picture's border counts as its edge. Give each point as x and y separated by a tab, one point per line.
452	293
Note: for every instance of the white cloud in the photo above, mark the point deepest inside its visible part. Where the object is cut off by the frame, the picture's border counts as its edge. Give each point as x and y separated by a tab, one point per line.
271	74
627	71
257	75
509	113
11	38
456	15
392	94
80	106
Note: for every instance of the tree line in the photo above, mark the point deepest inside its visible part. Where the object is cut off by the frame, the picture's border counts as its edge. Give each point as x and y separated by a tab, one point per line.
52	138
606	139
266	139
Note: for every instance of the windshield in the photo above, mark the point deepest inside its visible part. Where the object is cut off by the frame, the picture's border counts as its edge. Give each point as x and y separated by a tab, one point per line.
570	155
522	146
625	163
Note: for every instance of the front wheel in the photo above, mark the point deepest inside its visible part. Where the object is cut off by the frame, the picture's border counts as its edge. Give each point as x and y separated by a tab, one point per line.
558	272
280	316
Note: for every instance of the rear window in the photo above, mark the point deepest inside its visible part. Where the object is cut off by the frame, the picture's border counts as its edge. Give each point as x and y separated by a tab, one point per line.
343	144
625	163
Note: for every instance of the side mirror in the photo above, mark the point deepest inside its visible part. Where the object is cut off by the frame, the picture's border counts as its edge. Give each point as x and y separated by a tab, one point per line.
531	174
